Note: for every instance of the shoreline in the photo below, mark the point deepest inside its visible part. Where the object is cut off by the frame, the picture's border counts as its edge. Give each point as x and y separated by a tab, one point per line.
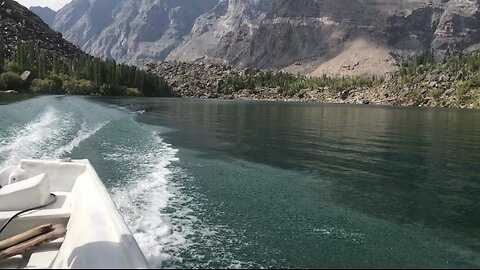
379	96
372	96
211	81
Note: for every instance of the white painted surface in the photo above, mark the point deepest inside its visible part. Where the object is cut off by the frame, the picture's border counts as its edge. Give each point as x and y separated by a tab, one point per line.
97	236
25	194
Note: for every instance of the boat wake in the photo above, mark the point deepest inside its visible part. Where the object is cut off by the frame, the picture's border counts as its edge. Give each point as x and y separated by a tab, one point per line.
139	168
84	133
145	195
159	208
142	190
52	135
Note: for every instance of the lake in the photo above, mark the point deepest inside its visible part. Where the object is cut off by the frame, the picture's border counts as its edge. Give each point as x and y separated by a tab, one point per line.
249	184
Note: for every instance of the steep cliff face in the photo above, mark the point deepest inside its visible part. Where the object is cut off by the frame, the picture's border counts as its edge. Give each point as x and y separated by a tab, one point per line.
17	23
351	37
225	33
131	31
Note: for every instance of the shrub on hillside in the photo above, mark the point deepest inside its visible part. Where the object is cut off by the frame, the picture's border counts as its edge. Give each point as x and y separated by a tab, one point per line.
3	85
57	82
12	80
44	86
12	67
112	90
134	92
79	87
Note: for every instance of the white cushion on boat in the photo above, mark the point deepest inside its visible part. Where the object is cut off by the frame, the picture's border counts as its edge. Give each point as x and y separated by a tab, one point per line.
25	194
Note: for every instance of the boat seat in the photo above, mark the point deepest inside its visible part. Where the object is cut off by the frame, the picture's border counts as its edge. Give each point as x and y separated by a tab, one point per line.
5	175
60	208
25	194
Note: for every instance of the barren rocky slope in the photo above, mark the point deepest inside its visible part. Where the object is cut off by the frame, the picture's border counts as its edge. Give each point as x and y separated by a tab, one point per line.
440	85
224	34
18	23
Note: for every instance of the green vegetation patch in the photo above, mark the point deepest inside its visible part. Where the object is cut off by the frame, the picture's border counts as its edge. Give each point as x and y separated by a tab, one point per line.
12	80
456	78
290	84
84	76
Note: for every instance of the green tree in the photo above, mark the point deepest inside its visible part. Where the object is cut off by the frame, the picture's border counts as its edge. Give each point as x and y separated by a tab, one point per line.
2	54
21	56
41	64
3	85
43	86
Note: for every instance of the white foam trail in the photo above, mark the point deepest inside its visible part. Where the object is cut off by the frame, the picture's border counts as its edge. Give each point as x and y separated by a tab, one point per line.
161	214
192	237
49	136
35	138
84	133
146	195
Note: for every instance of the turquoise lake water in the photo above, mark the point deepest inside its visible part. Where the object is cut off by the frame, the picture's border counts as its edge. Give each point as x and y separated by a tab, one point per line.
241	184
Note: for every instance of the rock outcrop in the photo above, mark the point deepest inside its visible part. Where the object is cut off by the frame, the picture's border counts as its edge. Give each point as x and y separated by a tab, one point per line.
430	89
17	23
224	34
198	80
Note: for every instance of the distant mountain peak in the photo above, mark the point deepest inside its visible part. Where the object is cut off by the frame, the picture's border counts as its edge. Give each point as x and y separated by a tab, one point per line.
45	13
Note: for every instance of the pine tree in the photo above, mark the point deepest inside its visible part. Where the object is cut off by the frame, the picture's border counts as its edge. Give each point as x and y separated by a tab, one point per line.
2	54
41	64
19	55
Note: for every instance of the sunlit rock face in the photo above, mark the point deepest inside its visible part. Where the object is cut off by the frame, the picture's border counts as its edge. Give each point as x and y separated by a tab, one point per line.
131	31
282	33
307	36
224	34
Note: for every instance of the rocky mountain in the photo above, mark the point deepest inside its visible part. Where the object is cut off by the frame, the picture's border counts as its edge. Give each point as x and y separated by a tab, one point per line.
225	33
132	31
17	23
349	37
47	14
352	37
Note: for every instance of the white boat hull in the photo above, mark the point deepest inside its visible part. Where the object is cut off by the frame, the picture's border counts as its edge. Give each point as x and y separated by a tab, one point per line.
97	236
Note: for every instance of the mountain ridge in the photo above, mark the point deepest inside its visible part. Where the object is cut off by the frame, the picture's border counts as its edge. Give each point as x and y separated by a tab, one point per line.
313	37
130	31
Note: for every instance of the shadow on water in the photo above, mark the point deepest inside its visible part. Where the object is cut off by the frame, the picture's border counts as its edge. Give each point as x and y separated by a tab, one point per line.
12	98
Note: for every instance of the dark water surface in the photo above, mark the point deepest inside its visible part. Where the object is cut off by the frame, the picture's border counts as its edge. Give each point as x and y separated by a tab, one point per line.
261	184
